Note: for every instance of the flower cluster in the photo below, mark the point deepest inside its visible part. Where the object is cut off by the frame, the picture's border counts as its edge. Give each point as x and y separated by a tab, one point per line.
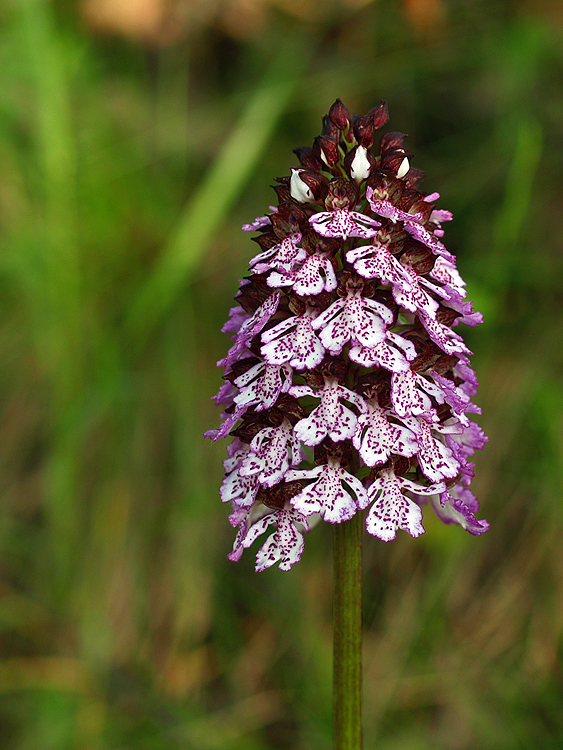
347	387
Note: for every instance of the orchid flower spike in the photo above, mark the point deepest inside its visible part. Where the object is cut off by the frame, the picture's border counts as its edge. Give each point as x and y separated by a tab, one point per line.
347	387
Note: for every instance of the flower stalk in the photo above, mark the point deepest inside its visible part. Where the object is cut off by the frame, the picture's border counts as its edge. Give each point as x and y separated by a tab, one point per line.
347	635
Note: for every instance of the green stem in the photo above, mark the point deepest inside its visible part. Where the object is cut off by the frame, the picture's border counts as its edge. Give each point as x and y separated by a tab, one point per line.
347	614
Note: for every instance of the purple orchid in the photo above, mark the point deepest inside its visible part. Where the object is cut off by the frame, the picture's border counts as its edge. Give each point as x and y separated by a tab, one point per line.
346	386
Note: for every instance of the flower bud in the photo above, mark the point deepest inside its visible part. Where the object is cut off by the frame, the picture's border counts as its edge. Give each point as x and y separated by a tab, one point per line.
391	142
300	191
306	186
330	130
364	130
326	150
404	167
380	115
339	114
307	159
359	163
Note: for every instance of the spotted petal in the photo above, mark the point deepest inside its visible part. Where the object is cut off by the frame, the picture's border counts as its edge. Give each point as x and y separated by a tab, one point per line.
285	545
239	489
376	437
282	256
446	272
262	384
331	418
449	341
388	210
413	297
313	277
294	341
344	223
328	495
451	509
377	262
354	317
436	459
250	328
394	354
272	450
407	397
391	509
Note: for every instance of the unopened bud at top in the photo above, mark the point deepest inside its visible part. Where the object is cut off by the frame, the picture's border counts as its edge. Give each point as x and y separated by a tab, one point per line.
364	130
330	130
339	114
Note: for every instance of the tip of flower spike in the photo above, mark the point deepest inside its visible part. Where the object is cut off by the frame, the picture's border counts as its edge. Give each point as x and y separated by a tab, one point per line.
339	114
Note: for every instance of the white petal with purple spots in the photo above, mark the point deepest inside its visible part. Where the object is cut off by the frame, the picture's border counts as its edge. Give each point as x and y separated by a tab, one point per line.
294	341
391	509
406	395
446	272
328	495
415	299
381	355
436	459
262	384
285	545
331	418
236	488
272	450
344	223
449	341
354	317
313	277
377	262
376	437
283	256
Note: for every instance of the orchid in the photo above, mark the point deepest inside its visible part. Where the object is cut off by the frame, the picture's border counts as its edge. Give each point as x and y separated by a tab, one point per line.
348	386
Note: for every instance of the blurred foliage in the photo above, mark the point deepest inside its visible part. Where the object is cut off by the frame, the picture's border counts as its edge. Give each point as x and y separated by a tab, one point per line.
136	136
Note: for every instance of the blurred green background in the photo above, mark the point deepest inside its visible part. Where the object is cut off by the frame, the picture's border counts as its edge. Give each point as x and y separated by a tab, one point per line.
136	136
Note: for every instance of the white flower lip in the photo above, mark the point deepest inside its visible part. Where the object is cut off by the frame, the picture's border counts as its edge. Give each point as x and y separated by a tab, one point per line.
360	167
299	190
403	168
